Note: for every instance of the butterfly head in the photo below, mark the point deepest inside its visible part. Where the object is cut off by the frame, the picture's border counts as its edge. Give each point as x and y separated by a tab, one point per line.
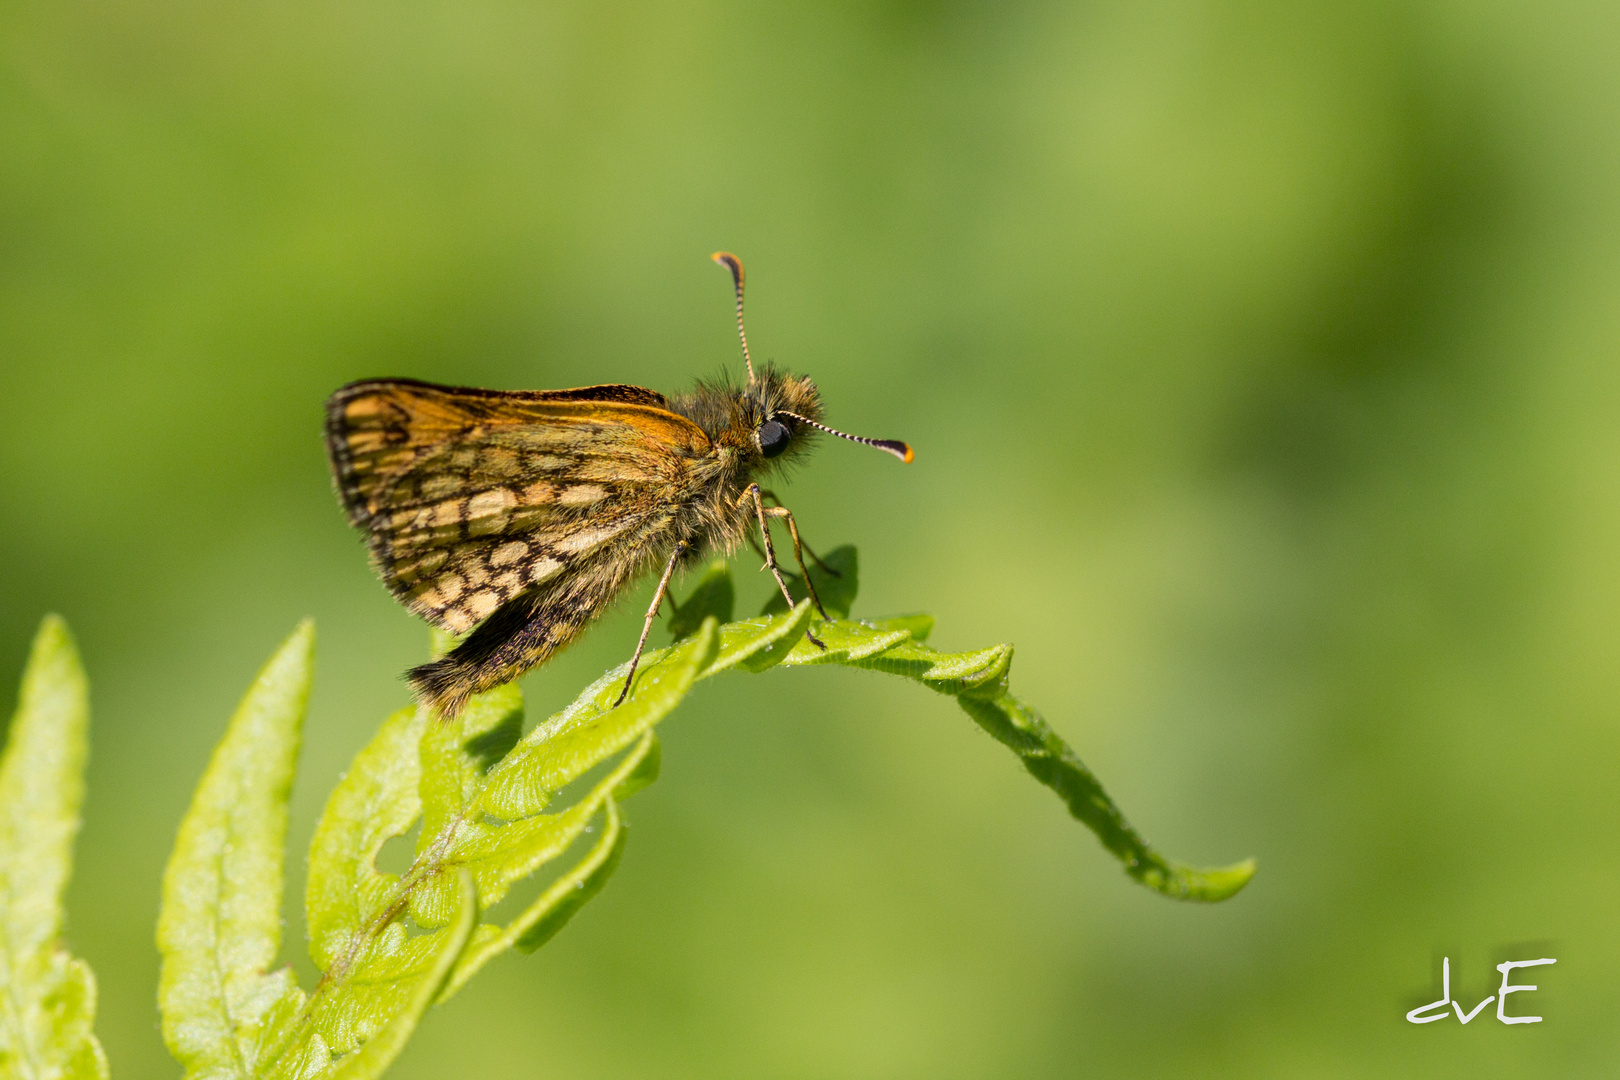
778	413
776	408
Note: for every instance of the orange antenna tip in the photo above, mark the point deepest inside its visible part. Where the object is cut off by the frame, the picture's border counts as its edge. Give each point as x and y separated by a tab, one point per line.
734	264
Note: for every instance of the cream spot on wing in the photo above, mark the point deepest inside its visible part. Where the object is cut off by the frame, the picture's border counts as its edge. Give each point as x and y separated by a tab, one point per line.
508	582
440	594
487	511
582	495
543	568
476	576
404	560
540	491
527	518
458	620
482	604
507	554
447	513
586	539
493	501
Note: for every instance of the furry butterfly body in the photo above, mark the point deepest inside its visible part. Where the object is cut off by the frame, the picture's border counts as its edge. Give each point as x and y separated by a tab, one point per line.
521	515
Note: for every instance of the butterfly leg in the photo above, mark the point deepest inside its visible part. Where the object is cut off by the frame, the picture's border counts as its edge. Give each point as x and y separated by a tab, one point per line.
775	568
652	613
797	545
753	542
798	553
799	548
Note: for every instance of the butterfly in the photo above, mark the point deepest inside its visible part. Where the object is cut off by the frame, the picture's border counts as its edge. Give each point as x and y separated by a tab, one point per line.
521	515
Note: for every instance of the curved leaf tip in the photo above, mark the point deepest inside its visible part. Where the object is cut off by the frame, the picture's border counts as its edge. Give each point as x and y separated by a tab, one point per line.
1189	883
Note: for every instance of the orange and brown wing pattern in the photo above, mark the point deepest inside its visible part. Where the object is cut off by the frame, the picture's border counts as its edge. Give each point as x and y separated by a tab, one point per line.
469	498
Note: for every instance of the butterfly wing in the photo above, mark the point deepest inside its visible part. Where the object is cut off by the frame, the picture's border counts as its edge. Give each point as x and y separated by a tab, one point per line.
469	498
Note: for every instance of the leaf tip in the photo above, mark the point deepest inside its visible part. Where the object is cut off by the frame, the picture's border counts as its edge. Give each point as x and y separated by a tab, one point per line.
1227	881
53	628
295	656
1209	886
54	643
303	635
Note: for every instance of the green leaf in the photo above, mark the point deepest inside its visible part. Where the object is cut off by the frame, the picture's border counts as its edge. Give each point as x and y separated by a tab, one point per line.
1050	760
837	585
759	644
978	680
564	899
381	1049
649	765
918	626
49	998
485	822
712	594
494	808
220	923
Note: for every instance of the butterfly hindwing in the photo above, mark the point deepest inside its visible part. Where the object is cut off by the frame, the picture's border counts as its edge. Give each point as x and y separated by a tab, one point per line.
470	498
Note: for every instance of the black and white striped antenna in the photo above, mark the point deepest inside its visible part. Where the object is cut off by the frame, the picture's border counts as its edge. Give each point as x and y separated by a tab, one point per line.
888	446
734	264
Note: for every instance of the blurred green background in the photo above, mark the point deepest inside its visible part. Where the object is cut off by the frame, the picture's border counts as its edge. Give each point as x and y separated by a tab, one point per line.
1260	360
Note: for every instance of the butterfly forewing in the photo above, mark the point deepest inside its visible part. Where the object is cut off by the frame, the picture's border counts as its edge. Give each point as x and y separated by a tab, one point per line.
470	498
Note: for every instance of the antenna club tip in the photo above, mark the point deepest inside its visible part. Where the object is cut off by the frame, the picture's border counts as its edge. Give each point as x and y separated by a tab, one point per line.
730	262
899	449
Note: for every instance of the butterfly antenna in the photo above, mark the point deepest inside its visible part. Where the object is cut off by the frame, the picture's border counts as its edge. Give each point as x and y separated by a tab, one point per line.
888	446
734	264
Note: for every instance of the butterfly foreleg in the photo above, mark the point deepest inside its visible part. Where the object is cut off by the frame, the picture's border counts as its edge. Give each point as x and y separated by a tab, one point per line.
753	542
753	493
800	549
652	613
798	553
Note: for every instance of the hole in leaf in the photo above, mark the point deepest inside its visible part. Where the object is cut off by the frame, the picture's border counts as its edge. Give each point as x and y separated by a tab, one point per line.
399	851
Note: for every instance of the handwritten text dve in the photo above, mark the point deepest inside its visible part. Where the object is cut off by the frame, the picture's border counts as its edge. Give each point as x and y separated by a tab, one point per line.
1417	1016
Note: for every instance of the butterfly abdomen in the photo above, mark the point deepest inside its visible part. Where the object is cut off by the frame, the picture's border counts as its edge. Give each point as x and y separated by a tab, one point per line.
529	629
520	635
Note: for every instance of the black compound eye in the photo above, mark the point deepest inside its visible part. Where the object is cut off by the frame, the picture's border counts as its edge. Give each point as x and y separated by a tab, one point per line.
773	437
